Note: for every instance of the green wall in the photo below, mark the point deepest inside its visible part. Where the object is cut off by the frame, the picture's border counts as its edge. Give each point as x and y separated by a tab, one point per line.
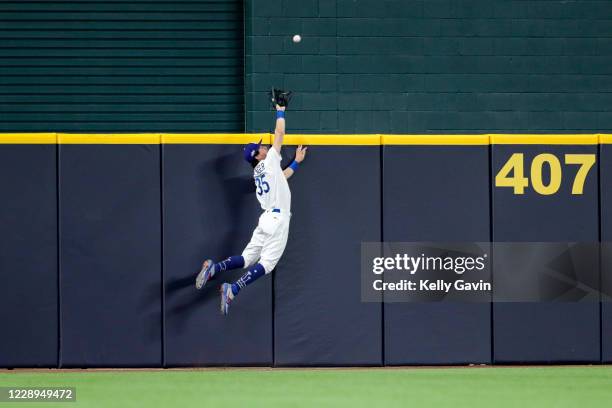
121	66
436	66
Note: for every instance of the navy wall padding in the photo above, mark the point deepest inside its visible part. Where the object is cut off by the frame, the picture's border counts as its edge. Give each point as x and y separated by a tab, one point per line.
436	193
319	318
605	163
110	204
545	332
210	211
28	256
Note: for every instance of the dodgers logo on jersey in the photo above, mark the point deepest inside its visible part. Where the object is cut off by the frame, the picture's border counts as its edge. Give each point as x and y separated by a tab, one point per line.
260	168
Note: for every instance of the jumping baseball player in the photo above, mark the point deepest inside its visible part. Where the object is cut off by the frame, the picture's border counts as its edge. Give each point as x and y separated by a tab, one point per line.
272	190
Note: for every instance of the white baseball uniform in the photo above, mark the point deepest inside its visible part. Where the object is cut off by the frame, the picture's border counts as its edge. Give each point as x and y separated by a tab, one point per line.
270	236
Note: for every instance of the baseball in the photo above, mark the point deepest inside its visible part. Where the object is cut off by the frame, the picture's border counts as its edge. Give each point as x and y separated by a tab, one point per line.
297	38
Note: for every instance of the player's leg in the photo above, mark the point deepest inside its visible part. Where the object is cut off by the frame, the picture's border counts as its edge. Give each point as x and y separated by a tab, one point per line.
252	251
275	247
210	269
230	290
248	257
271	252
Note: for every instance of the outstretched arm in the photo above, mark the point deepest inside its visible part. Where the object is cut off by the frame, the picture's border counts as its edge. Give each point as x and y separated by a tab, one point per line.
279	130
300	154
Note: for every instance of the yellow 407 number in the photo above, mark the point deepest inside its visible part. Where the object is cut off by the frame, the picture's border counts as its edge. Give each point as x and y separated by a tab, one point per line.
518	181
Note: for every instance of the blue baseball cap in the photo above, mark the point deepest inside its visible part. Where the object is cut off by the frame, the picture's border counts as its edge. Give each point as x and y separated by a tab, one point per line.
251	150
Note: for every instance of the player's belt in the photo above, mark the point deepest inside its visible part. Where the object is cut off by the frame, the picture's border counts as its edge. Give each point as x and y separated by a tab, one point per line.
278	210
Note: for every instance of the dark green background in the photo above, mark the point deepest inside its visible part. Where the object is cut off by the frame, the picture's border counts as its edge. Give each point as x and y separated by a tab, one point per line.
435	66
120	66
401	66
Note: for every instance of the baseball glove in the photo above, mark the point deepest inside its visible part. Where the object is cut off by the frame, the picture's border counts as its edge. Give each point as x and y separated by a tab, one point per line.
280	97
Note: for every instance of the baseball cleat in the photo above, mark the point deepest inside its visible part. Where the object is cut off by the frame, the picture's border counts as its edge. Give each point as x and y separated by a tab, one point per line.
226	298
207	272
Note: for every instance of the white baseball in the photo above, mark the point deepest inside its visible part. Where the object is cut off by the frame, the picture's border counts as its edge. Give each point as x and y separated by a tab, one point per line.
297	38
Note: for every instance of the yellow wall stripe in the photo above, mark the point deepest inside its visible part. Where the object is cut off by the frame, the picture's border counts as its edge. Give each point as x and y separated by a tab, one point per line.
435	139
119	138
333	140
28	138
305	139
605	139
545	139
214	138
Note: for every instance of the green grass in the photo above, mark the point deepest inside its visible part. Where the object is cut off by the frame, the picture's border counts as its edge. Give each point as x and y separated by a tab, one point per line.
576	387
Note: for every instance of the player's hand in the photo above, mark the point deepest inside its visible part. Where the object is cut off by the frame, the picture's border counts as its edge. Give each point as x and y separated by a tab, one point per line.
280	108
300	153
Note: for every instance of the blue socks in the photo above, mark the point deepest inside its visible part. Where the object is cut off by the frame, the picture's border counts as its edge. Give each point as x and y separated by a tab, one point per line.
233	262
256	272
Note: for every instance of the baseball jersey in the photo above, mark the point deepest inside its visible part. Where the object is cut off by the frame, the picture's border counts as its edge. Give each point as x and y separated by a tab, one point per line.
271	187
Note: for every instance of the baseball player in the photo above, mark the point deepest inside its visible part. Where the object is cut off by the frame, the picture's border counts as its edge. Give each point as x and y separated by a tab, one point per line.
270	236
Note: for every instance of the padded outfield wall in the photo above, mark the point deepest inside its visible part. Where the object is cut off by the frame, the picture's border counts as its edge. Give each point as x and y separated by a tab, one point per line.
137	213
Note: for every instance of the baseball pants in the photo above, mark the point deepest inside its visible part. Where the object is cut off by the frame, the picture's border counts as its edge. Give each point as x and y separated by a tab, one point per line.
268	241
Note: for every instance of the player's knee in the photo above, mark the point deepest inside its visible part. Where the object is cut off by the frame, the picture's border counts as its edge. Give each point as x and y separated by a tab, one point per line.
268	266
248	263
248	259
